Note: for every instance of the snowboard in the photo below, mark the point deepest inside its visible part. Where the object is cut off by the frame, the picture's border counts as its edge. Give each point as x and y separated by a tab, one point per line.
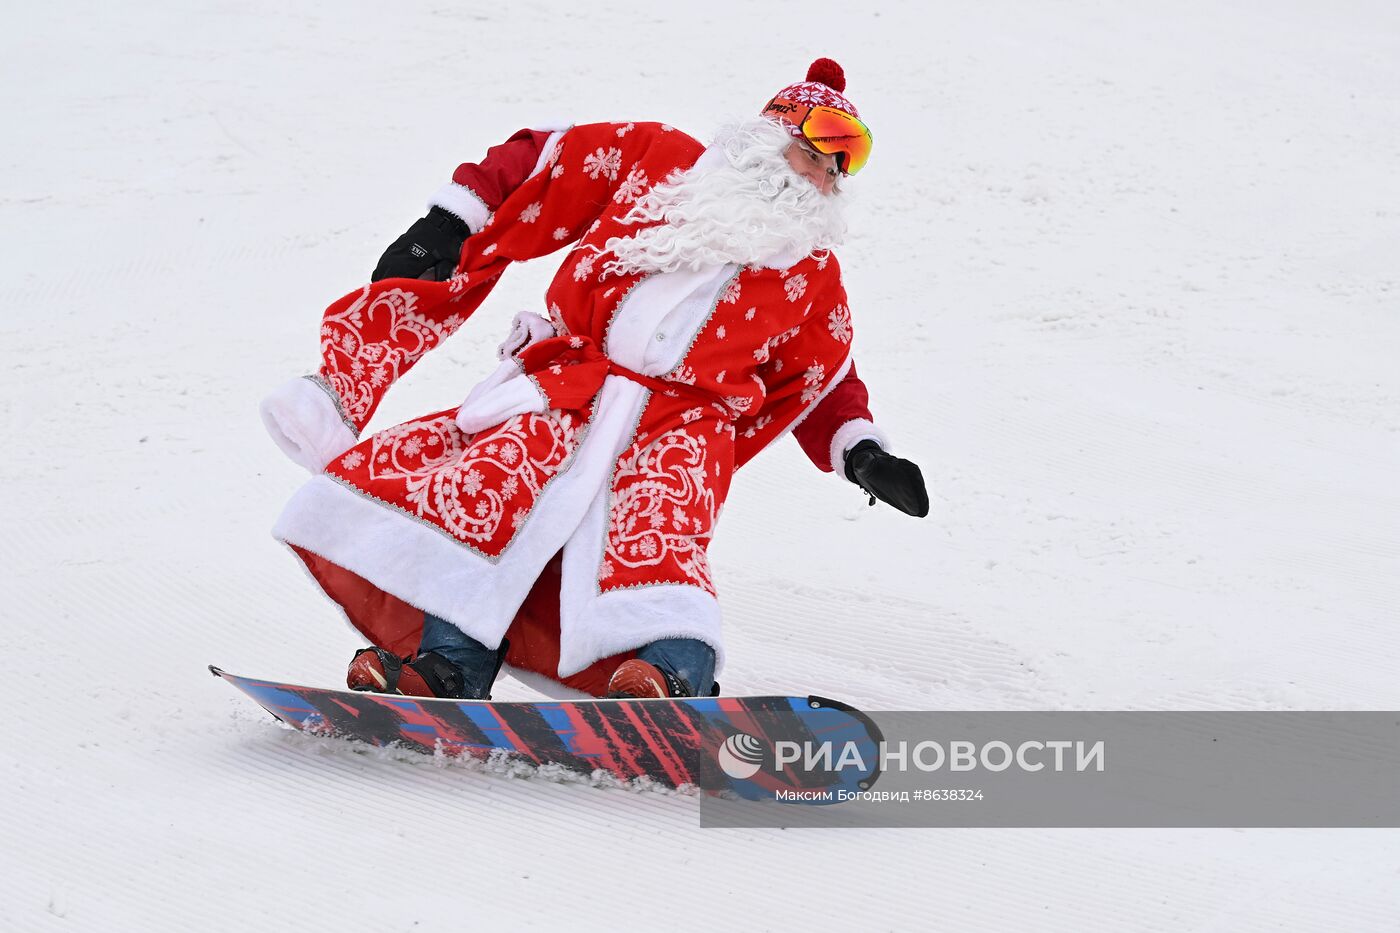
732	746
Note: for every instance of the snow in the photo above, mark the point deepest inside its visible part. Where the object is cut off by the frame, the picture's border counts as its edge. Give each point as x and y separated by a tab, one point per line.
1123	283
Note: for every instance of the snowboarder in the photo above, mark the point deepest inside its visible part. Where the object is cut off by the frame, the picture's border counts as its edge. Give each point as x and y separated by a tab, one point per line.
558	519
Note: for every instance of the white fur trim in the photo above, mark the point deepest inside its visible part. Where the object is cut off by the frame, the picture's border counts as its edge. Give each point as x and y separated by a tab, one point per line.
432	571
517	395
468	205
305	423
623	620
849	435
595	625
555	134
507	370
464	202
507	391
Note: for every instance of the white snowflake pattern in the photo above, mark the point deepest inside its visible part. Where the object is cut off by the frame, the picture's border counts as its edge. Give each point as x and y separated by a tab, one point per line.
632	186
352	460
605	570
721	333
561	233
607	163
531	213
666	128
517	518
458	282
762	422
648	547
489	250
510	486
796	287
739	403
719	377
556	318
509	454
624	130
812	381
839	323
383	458
585	266
814	92
472	482
482	508
684	375
748	315
413	446
691	415
731	294
557	171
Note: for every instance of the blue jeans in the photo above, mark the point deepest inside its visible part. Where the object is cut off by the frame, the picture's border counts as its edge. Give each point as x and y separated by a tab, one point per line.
478	663
687	659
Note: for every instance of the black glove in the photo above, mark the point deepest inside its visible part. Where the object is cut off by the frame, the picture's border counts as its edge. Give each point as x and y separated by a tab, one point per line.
887	478
429	250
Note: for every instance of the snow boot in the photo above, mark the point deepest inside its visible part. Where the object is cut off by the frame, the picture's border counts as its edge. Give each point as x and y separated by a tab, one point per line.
375	670
638	680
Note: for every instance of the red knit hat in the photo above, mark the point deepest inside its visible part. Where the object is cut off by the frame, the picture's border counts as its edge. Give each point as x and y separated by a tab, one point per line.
823	87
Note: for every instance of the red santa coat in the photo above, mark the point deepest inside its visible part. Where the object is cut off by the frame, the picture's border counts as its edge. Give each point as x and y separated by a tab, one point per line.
602	448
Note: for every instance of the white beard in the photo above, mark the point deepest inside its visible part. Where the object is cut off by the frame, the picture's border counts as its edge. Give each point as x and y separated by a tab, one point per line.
746	208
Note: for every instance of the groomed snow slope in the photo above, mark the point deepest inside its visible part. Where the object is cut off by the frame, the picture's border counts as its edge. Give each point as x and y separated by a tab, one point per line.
1125	285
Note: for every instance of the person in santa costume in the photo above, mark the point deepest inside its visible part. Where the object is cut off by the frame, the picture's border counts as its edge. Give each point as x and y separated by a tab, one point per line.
557	520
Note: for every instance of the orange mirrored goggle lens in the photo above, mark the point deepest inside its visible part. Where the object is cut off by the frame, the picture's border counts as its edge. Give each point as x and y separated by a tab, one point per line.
835	132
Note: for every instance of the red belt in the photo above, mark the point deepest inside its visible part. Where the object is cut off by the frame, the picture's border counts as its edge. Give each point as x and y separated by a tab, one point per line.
570	370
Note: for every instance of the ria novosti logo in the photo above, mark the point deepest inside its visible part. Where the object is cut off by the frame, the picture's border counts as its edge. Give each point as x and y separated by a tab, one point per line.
740	756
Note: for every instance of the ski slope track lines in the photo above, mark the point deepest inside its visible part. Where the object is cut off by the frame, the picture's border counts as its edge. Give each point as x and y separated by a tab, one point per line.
1123	283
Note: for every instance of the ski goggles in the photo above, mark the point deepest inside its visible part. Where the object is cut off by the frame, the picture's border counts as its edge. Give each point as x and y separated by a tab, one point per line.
827	130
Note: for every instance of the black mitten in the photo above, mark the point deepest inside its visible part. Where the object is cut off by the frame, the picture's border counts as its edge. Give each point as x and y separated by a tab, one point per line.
888	478
429	250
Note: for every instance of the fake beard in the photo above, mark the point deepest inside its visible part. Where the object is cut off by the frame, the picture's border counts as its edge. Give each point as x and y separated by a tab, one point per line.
743	209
